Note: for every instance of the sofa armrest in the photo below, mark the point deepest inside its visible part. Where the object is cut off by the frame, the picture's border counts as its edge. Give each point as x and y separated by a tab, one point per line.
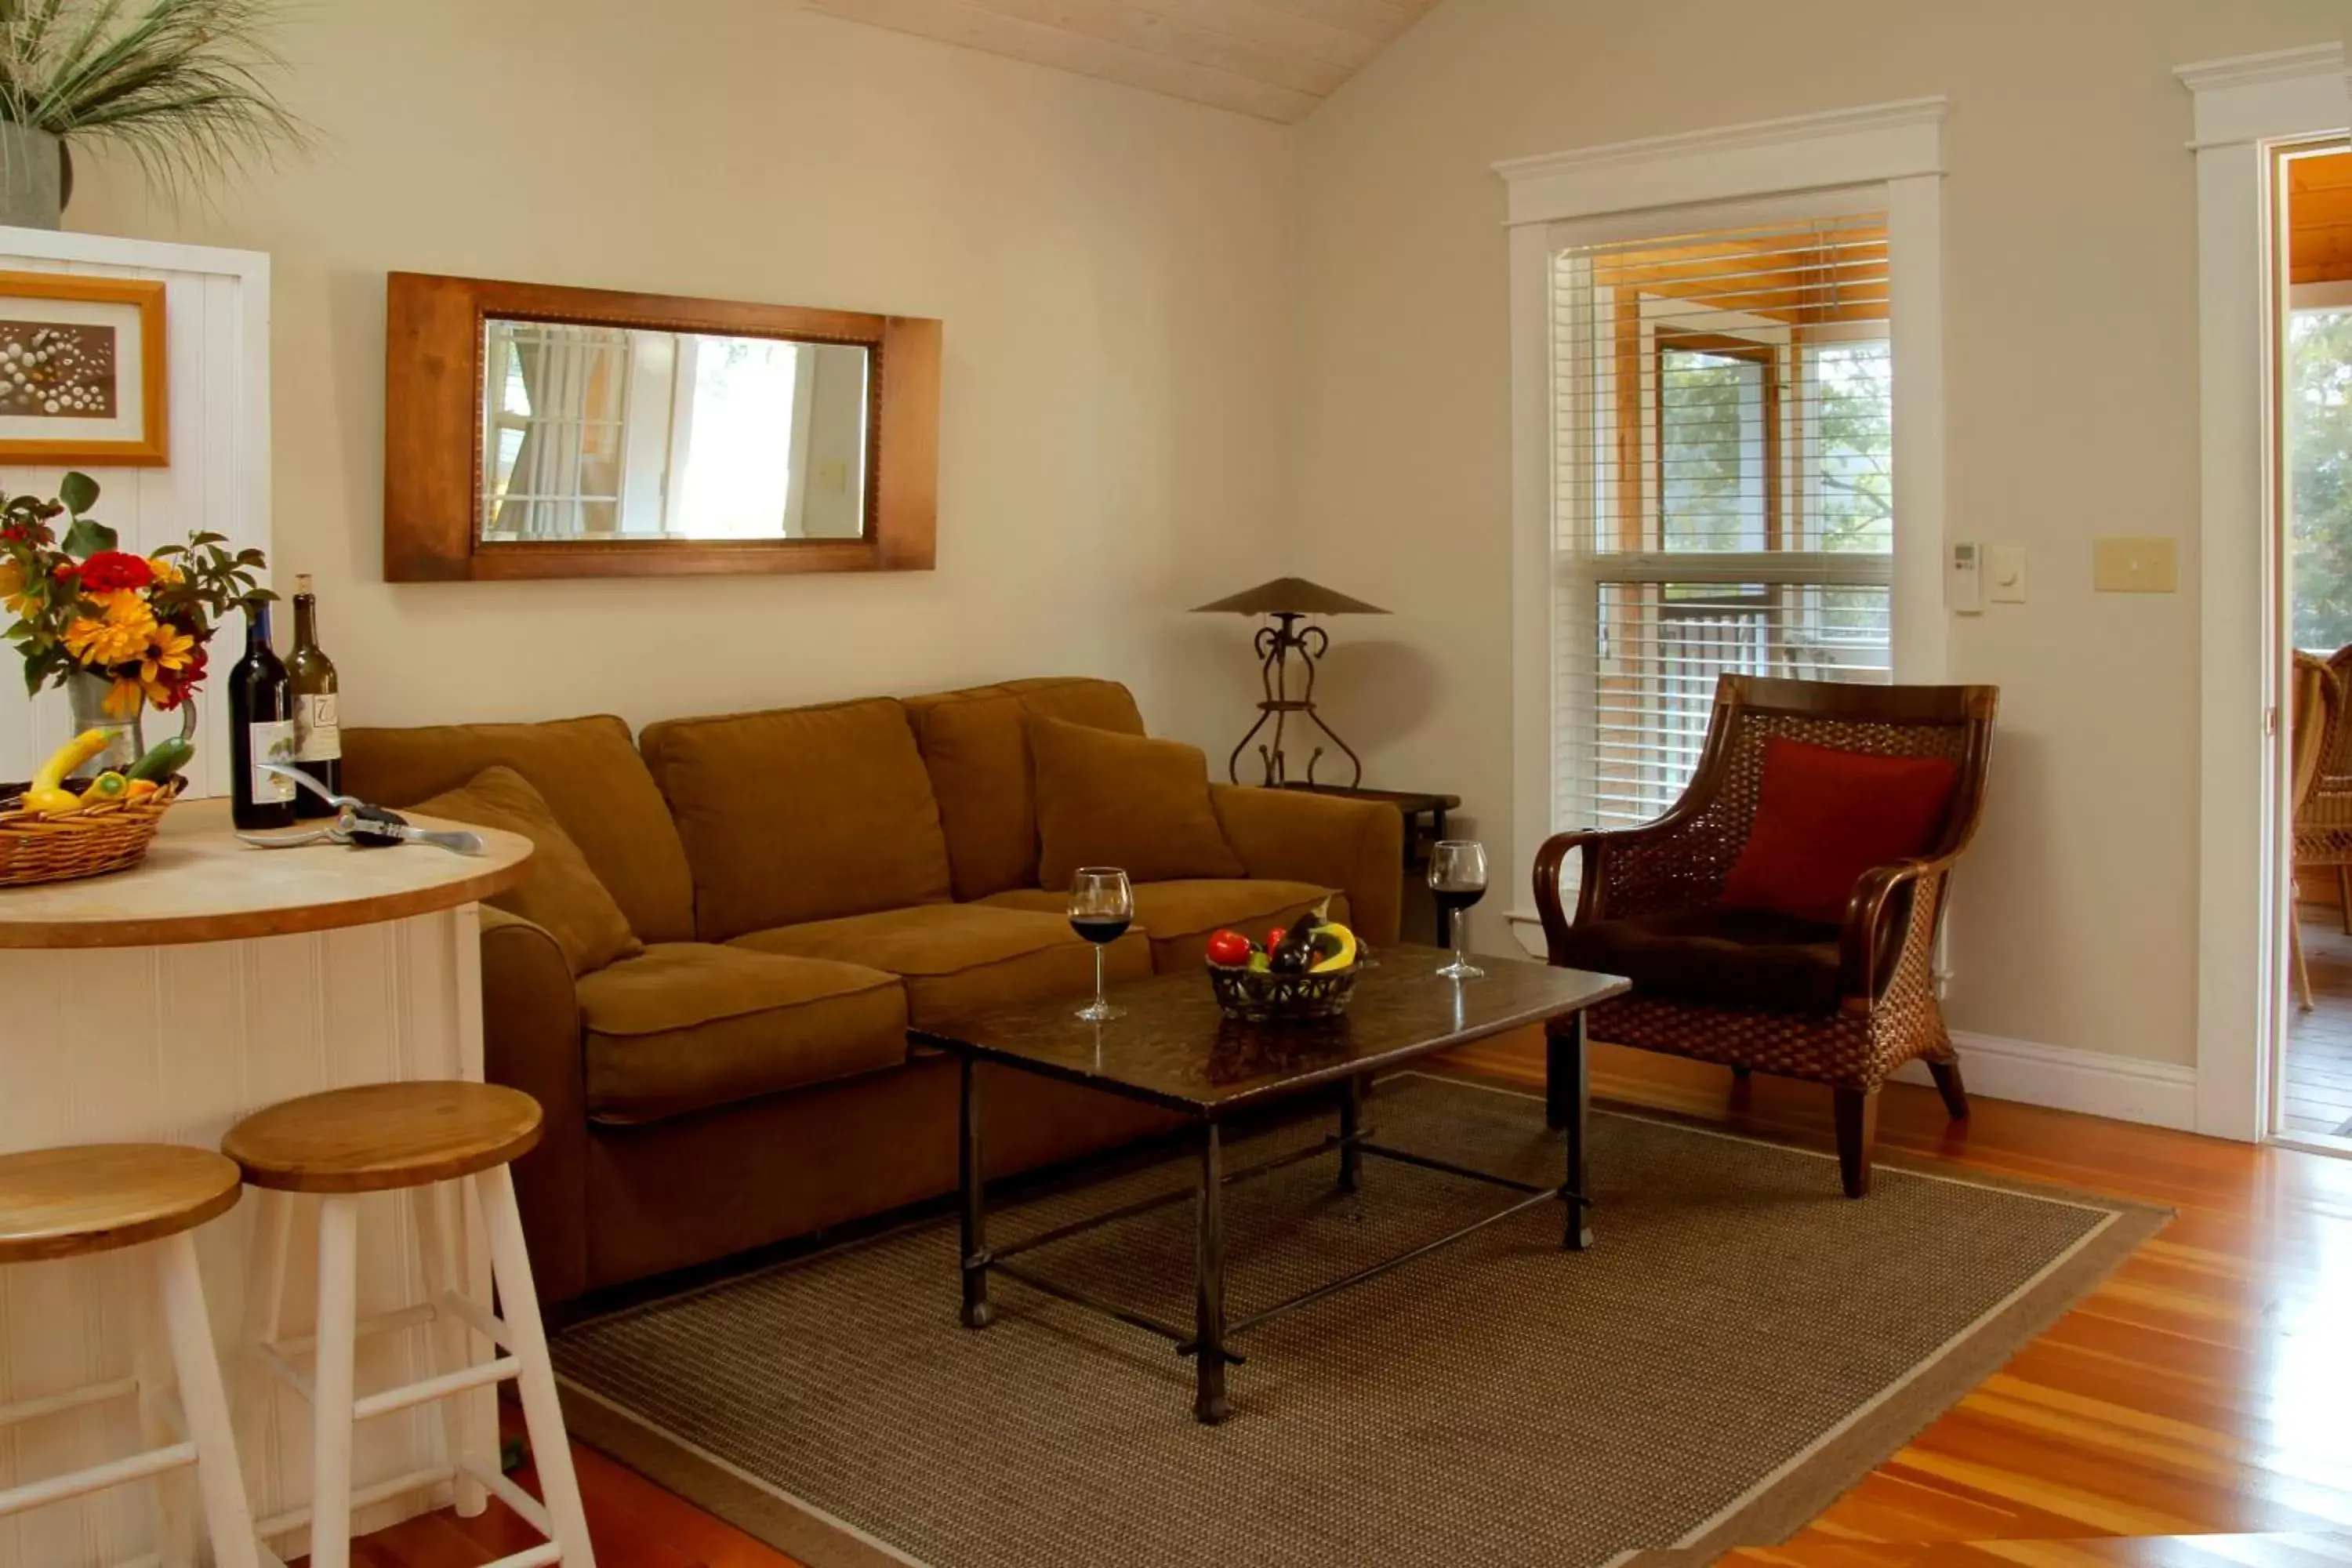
531	1041
1355	845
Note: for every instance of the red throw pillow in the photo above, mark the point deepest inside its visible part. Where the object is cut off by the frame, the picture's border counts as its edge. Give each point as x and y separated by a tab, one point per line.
1825	817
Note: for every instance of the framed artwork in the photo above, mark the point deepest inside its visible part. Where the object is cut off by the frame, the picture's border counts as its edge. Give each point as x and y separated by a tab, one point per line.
82	371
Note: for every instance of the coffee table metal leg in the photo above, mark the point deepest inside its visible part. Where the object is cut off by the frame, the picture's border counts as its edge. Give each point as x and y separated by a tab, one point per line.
1568	1099
1351	1125
1209	1299
973	1178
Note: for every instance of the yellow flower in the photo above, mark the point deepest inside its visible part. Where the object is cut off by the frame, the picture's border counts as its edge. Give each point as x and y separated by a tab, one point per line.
169	649
120	636
122	697
163	569
12	597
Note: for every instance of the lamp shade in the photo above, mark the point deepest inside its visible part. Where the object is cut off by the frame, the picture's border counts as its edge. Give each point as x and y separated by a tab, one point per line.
1289	596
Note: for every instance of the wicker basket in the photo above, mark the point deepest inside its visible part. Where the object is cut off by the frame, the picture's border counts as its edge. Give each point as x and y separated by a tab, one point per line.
89	843
1261	997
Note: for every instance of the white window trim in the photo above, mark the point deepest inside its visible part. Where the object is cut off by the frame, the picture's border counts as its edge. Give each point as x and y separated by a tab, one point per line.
2245	107
1885	156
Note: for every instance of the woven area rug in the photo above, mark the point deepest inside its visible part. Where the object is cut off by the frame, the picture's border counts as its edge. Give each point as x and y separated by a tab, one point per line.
1742	1345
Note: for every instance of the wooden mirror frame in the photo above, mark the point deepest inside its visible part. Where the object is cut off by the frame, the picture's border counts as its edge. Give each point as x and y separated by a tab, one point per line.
433	435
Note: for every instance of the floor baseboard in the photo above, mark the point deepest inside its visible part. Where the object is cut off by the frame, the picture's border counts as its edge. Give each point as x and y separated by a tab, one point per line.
2125	1089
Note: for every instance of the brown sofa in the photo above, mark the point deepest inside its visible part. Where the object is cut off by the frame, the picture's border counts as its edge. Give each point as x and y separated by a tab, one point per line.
806	883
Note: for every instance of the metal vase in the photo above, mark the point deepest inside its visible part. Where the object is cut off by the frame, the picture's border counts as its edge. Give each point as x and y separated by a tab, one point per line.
32	183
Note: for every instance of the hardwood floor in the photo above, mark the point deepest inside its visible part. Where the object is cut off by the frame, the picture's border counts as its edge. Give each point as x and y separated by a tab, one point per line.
2319	1043
2205	1390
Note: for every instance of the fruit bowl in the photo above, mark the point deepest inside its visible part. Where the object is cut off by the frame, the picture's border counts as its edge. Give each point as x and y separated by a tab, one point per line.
1261	997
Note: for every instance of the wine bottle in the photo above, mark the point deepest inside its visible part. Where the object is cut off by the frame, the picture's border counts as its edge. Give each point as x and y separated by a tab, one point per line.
260	730
318	734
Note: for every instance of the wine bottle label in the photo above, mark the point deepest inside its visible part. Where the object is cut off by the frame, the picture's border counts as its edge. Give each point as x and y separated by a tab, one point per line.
317	736
272	743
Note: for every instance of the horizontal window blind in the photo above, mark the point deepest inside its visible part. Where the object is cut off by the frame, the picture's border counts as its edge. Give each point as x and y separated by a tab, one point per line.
1722	455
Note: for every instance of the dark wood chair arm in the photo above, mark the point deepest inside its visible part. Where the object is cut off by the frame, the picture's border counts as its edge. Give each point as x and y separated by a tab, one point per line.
1595	843
1860	939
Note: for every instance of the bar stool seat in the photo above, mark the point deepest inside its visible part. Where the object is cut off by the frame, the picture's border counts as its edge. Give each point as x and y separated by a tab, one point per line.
81	1199
416	1138
379	1137
95	1197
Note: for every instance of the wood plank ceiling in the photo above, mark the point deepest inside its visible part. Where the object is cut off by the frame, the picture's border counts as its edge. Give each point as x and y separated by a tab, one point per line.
2319	218
1276	59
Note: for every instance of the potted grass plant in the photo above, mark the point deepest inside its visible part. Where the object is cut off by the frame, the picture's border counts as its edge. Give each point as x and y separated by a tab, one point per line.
181	84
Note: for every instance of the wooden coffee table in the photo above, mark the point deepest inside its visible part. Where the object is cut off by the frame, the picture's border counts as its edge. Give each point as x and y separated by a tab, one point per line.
1175	1049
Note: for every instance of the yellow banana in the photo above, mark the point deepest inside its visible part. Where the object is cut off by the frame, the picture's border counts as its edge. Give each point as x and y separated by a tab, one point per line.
69	756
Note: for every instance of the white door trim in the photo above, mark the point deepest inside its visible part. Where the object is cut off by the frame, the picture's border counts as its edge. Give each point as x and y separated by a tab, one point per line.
2243	108
1889	155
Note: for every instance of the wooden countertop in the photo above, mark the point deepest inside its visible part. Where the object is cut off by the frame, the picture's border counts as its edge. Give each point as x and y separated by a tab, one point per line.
200	883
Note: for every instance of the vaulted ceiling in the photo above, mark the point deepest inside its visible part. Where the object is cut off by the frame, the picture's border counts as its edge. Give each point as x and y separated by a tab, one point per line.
1272	58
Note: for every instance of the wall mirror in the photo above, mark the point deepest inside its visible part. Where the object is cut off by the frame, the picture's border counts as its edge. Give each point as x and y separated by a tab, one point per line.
535	431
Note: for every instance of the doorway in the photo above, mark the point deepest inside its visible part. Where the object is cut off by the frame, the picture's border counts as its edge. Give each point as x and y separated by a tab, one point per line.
2312	1099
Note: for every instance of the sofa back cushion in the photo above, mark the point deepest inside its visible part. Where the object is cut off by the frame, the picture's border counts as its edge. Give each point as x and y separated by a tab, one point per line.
800	814
1107	799
560	893
591	779
975	745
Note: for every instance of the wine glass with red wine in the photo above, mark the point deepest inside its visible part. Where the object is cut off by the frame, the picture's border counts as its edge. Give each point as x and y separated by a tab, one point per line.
1457	880
1101	906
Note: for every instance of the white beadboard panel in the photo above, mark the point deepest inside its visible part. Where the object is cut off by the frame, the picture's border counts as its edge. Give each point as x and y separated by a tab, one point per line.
217	358
174	1045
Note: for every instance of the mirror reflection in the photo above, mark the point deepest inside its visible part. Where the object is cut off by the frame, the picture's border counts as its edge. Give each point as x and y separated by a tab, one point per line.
594	432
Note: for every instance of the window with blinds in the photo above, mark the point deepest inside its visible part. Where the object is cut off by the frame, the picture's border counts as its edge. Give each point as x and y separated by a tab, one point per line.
1724	462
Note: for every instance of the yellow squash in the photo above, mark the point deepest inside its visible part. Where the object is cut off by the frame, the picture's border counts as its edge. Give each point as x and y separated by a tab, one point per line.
48	795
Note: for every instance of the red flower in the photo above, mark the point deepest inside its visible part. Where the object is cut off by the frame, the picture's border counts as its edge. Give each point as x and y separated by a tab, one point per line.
24	533
109	570
178	684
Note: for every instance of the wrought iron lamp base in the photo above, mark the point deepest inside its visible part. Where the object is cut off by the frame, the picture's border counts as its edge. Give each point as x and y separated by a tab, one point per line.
1275	645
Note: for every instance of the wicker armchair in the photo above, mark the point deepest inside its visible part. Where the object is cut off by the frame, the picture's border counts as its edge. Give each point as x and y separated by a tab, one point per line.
1844	1005
2323	815
2316	715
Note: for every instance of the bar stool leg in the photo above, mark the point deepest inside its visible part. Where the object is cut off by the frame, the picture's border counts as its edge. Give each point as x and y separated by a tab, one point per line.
454	1346
330	1379
535	1378
196	1361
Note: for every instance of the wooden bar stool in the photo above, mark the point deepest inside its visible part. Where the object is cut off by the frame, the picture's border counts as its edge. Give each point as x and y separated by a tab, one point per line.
90	1198
407	1137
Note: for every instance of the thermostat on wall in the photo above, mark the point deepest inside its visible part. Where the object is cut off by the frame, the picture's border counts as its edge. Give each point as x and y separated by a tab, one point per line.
1964	580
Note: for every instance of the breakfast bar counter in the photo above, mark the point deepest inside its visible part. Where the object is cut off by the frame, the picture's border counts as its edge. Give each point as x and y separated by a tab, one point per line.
164	1002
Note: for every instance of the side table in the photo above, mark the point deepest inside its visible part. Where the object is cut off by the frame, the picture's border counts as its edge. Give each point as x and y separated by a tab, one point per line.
1424	822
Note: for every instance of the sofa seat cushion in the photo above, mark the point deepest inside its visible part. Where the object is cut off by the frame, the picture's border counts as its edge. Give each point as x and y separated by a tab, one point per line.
958	957
1179	916
688	1025
1736	958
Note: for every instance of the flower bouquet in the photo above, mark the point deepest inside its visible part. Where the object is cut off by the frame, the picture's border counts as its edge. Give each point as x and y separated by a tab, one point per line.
122	632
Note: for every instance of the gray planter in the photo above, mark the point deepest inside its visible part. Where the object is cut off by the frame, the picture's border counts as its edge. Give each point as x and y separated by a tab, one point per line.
32	177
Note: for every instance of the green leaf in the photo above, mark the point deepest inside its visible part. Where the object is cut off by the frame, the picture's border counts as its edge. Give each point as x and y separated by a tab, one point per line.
86	538
208	538
80	492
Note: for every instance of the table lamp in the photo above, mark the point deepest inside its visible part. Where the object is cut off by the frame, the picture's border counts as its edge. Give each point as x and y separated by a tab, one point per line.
1289	601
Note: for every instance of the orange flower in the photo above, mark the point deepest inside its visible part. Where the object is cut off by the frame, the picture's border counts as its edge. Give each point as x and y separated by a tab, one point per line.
122	697
168	652
119	636
12	597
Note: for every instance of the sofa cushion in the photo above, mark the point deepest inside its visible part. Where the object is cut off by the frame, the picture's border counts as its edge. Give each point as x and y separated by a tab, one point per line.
1179	916
1736	958
1824	816
561	892
801	814
687	1024
976	745
1106	799
591	777
956	957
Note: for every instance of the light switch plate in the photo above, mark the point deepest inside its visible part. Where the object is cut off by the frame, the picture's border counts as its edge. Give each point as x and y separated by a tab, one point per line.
2007	573
2142	564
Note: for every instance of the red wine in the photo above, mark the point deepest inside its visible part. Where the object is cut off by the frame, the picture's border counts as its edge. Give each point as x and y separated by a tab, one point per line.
1099	928
1452	902
260	730
317	732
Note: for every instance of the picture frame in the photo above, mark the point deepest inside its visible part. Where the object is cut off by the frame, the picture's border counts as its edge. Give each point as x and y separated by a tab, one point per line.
82	380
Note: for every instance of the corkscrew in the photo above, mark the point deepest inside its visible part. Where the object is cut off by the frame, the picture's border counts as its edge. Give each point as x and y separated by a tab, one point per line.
358	824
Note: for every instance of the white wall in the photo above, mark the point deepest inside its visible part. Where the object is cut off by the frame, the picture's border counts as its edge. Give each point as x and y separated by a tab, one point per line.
2071	389
1113	269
